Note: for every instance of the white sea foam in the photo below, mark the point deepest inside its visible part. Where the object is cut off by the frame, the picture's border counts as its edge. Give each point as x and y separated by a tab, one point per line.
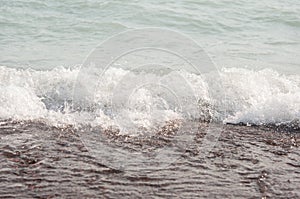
261	97
255	97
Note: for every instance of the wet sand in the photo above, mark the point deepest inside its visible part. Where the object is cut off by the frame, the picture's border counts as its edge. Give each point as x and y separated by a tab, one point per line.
38	161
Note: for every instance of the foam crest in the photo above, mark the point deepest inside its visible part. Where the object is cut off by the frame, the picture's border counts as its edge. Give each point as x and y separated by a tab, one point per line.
261	97
251	97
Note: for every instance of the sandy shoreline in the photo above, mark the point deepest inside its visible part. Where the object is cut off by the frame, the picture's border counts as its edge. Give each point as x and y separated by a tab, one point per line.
38	161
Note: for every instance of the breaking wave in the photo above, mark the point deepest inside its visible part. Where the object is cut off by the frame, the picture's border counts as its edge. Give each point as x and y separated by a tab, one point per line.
263	97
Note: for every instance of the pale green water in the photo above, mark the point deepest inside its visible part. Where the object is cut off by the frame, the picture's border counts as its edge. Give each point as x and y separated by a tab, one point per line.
47	34
261	36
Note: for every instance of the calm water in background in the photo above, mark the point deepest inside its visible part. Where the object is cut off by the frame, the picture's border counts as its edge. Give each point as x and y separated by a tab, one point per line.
47	34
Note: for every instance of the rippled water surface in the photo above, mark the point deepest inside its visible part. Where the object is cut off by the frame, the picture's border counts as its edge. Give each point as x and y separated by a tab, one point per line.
48	34
40	161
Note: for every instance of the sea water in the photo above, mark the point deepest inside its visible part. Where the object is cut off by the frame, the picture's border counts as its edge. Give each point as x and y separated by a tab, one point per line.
254	46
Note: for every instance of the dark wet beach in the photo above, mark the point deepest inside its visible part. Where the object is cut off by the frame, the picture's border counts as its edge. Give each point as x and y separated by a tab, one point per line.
38	161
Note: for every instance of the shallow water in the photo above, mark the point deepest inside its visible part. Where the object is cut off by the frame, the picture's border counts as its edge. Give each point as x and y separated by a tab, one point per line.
246	162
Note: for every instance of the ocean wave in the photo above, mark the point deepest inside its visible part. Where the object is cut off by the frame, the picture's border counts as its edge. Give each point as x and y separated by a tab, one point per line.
232	95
